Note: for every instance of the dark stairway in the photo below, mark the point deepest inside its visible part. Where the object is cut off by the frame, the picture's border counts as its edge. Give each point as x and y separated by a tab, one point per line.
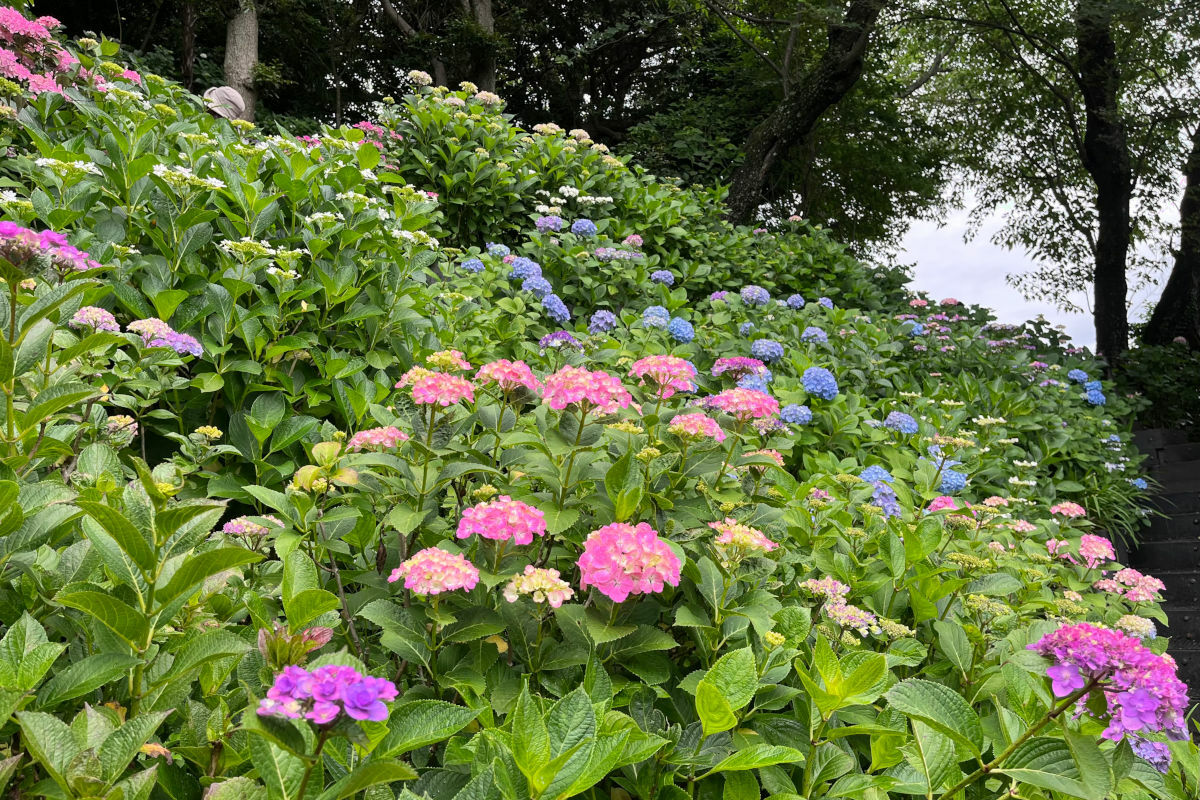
1170	548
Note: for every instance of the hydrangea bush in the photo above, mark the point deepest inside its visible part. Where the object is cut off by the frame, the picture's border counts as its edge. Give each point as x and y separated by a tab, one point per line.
387	463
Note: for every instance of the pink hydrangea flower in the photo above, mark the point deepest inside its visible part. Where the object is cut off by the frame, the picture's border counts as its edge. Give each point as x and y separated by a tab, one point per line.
950	301
738	367
448	359
442	389
95	318
434	570
918	303
326	693
621	559
1142	588
853	617
503	519
1068	510
633	240
1095	550
666	374
696	426
386	438
1023	526
996	501
245	526
942	503
412	376
509	375
828	587
1142	690
590	390
734	534
745	404
818	494
540	585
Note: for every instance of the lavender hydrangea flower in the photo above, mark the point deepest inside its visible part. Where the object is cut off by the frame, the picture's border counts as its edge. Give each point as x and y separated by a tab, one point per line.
815	335
523	268
539	286
472	265
718	296
1078	375
602	321
326	693
663	276
656	317
766	350
496	249
952	482
753	295
583	227
876	474
550	223
795	302
746	328
559	340
556	309
825	302
796	414
900	422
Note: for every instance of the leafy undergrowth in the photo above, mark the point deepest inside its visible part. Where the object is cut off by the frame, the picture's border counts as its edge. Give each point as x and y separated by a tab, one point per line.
437	457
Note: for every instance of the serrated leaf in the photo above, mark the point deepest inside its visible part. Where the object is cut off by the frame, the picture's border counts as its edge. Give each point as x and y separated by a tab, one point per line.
122	619
132	541
1048	764
199	567
123	744
366	775
757	755
940	707
423	722
85	676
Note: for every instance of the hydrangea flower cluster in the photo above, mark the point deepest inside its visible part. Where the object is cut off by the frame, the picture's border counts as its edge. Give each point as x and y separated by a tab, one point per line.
952	481
796	414
508	375
448	360
884	497
795	302
602	321
559	340
820	382
745	404
556	309
814	335
1094	393
755	295
590	390
656	317
735	535
1068	510
942	503
434	570
156	333
825	302
542	585
901	423
245	526
1096	550
663	276
502	520
386	438
1143	692
681	330
550	223
696	427
441	389
737	367
666	374
745	329
496	249
828	587
621	559
98	319
521	268
1136	587
852	617
472	265
766	350
583	227
326	694
1078	375
876	473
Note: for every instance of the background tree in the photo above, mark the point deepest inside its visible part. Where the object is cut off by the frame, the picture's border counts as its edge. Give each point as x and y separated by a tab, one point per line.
1177	312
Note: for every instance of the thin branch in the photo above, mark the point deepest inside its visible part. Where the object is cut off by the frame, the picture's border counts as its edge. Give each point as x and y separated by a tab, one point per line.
729	24
400	21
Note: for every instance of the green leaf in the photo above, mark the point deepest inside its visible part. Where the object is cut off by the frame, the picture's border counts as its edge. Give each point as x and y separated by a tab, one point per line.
530	738
123	744
953	641
828	762
571	721
197	568
53	400
307	605
423	722
123	532
1096	774
735	675
236	789
121	618
366	775
758	755
202	649
278	769
85	676
1048	764
50	742
715	713
940	707
475	623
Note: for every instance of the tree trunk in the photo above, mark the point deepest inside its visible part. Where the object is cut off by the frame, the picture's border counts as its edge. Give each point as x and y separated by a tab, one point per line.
838	69
187	52
241	54
1178	310
1106	158
485	60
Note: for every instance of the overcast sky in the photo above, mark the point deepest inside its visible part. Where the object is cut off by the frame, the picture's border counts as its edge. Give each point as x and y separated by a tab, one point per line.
975	272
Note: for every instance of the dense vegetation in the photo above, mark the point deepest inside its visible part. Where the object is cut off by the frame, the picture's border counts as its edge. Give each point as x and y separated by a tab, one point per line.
436	457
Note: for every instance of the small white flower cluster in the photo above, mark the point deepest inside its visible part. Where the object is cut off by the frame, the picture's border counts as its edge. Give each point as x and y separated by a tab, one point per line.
547	129
416	237
593	200
1025	464
182	178
324	216
247	248
68	168
1015	481
986	421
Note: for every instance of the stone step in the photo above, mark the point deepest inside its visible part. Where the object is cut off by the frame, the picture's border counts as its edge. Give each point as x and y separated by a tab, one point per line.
1189	451
1153	439
1172	554
1181	526
1177	472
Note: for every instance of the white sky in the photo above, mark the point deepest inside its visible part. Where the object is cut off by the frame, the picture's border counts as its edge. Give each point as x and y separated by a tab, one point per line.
975	272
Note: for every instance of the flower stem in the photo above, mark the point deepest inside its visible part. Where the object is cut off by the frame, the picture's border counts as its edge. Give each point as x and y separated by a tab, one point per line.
316	758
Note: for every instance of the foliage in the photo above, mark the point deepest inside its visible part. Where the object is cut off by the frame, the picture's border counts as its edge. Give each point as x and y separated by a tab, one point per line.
282	523
1166	378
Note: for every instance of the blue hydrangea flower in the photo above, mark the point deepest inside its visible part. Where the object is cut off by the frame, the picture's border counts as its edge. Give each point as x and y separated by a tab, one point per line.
602	321
1096	397
755	295
766	350
538	285
550	223
756	382
795	302
472	265
656	317
901	422
746	328
559	340
1157	754
820	382
796	414
663	276
680	330
583	227
876	474
523	268
913	328
1139	483
1114	437
556	309
952	482
812	334
1078	375
498	250
885	497
825	301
